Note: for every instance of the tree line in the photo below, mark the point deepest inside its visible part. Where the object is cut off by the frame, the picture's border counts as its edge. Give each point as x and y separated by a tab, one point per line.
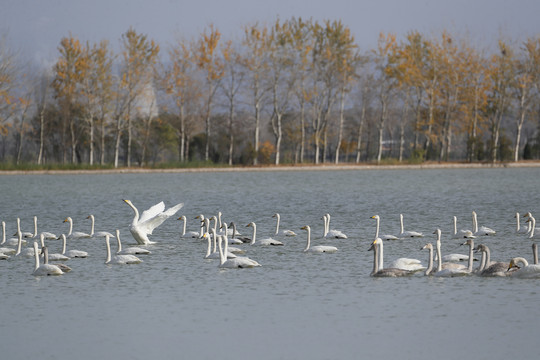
295	91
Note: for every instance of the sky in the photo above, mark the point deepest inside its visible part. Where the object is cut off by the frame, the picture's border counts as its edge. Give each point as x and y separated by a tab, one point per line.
34	28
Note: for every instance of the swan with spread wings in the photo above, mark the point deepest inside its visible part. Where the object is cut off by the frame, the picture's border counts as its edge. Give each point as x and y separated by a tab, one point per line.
150	219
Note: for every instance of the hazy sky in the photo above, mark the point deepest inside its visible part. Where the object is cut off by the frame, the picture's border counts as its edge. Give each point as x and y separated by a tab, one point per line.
35	27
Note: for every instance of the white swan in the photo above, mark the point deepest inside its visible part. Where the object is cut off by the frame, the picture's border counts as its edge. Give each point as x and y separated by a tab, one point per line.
337	234
150	219
6	250
53	256
399	263
191	234
75	234
237	239
482	230
72	253
27	252
263	242
525	270
404	234
533	234
27	234
282	232
318	248
383	237
44	269
239	262
462	234
520	229
15	241
119	259
445	265
129	250
46	257
98	233
378	270
213	253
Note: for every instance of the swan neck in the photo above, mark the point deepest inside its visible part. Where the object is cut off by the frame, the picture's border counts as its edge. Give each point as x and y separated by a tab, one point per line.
533	225
36	256
214	236
375	259
521	260
455	225
118	241
378	224
380	250
430	262
35	226
63	244
108	249
471	258
326	225
3	233
92	226
535	253
184	227
308	242
488	257
70	221
517	221
475	223
277	224
221	256
254	234
208	245
401	222
439	260
45	255
19	243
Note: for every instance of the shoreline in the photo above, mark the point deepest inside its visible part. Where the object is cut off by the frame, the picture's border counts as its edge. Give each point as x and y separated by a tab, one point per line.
321	167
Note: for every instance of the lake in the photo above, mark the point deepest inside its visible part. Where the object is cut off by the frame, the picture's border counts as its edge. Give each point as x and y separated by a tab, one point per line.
178	305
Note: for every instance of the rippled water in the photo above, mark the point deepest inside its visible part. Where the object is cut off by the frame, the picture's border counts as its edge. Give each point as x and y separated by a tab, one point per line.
178	305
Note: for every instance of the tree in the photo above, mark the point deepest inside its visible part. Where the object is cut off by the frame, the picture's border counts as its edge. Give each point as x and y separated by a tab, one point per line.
232	81
212	68
385	60
500	76
8	75
69	75
182	85
256	42
522	87
139	55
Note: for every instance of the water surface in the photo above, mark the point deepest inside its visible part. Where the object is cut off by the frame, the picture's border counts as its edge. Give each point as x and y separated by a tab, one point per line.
178	305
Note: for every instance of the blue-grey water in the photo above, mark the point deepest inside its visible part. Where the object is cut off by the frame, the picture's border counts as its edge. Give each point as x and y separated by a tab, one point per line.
177	305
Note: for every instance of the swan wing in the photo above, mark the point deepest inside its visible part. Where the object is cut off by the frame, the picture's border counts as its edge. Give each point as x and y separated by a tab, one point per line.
152	212
150	224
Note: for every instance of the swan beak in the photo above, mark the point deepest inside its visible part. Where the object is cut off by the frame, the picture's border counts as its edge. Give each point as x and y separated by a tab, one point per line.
371	247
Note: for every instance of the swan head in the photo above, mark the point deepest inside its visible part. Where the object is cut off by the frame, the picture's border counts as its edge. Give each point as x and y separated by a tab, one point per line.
68	219
90	216
251	224
428	246
306	227
127	201
375	242
480	248
375	217
469	242
527	214
275	215
201	216
438	232
513	264
183	217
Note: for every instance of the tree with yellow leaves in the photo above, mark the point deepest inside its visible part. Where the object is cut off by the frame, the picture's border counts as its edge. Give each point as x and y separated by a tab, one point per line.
139	55
212	68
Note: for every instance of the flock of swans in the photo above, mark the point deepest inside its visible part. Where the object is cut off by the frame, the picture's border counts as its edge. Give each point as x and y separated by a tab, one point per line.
222	240
450	266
